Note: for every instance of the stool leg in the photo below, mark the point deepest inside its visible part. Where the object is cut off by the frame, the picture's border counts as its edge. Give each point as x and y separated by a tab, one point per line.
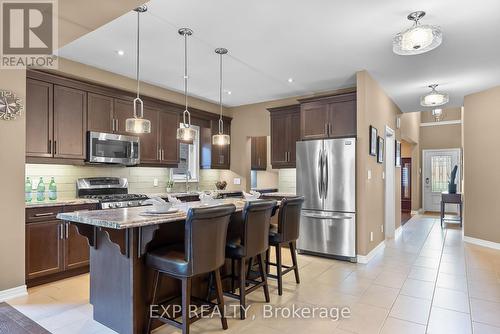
210	285
294	261
249	271
186	304
232	275
278	269
263	277
242	289
156	279
220	298
268	259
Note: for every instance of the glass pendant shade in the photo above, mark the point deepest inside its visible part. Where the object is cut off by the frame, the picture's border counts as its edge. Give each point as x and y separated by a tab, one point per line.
138	125
417	39
437	113
186	134
221	139
434	98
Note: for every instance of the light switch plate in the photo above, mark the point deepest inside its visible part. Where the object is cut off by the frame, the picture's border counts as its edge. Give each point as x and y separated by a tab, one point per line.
371	236
383	175
369	174
155	183
236	180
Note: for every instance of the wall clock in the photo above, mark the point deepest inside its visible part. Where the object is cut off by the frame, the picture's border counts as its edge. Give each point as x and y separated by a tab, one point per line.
10	106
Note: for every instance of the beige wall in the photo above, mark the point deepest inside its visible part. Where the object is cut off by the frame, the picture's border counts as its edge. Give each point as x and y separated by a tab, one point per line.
76	19
481	160
449	114
377	109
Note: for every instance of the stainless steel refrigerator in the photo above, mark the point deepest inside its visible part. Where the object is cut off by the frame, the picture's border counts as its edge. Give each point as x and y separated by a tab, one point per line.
326	177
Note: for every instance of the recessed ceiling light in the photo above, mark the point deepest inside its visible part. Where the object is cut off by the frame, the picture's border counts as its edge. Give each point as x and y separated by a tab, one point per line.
434	98
228	92
120	52
417	39
290	80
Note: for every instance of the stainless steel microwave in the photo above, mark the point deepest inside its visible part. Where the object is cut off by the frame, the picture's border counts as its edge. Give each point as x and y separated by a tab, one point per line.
111	148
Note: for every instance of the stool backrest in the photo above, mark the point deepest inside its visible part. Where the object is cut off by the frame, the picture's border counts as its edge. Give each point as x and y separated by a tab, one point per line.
289	218
205	237
256	221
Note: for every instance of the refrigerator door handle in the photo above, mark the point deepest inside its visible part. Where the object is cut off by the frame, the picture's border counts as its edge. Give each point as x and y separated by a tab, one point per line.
312	215
320	173
325	174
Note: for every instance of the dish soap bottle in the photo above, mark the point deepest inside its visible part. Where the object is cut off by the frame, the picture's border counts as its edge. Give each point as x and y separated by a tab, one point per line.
40	191
28	188
52	190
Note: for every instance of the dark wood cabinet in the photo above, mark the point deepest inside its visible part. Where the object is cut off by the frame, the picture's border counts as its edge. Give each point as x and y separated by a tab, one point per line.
169	145
39	113
149	146
328	117
100	115
221	155
54	248
70	123
259	153
285	132
122	110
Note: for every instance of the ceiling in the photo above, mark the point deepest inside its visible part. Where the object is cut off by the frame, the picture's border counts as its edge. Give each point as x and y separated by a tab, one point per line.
318	43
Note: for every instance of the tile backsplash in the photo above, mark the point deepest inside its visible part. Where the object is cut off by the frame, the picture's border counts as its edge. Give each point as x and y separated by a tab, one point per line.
141	179
287	181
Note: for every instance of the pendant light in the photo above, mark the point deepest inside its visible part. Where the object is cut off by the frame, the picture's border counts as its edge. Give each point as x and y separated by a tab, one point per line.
185	132
437	114
221	139
434	98
417	39
138	124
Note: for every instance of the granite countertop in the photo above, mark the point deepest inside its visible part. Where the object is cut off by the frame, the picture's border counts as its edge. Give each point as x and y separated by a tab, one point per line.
60	202
279	194
134	217
192	193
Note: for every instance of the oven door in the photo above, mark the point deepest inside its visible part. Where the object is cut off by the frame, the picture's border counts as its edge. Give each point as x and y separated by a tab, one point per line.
113	149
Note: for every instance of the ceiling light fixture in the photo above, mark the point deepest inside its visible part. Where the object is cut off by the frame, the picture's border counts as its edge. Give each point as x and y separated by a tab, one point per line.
138	124
185	132
437	114
229	92
120	52
290	80
417	39
221	138
434	98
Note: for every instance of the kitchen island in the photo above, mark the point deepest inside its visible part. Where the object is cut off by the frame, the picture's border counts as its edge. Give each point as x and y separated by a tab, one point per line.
120	282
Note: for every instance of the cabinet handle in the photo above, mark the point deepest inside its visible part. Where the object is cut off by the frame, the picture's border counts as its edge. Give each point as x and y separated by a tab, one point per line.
67	230
326	129
113	125
259	162
61	231
330	129
55	147
162	154
286	156
116	126
50	146
44	214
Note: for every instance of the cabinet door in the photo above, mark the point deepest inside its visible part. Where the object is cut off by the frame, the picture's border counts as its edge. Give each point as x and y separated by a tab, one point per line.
122	110
314	119
169	145
343	117
259	153
44	248
76	248
39	112
293	137
100	113
221	158
70	122
279	140
150	152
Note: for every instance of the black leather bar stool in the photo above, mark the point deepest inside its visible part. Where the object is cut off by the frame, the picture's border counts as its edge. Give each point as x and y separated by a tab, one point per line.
202	252
286	232
252	242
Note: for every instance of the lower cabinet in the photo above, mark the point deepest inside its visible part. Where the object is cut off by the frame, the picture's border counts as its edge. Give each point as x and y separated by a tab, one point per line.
54	249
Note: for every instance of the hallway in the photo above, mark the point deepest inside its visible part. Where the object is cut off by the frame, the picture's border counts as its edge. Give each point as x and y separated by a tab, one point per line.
427	280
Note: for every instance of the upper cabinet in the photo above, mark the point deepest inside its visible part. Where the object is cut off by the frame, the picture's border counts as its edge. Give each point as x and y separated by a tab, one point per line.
285	132
100	115
259	153
328	117
39	114
168	143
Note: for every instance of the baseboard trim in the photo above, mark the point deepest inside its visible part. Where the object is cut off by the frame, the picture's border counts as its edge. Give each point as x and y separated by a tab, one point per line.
364	259
13	293
398	232
481	242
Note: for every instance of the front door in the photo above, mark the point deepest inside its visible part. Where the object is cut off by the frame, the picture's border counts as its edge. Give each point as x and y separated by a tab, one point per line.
438	165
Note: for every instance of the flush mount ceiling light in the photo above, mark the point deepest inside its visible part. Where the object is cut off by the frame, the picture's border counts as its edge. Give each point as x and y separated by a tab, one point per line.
417	39
437	114
434	98
138	124
120	52
221	138
185	132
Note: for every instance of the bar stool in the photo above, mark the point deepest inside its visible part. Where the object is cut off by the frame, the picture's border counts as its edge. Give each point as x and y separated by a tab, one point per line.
202	252
286	232
252	242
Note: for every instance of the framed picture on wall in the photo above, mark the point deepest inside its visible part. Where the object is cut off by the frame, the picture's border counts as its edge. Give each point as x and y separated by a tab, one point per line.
380	149
373	141
398	154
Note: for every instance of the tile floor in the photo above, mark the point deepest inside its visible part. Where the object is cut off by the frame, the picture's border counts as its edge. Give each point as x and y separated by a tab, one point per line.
426	281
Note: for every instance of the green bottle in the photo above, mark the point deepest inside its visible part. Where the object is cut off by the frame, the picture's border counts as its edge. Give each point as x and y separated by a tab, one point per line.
28	188
40	191
52	190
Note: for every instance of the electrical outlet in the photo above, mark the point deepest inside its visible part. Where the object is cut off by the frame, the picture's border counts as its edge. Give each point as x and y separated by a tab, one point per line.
236	180
369	174
383	175
371	236
155	183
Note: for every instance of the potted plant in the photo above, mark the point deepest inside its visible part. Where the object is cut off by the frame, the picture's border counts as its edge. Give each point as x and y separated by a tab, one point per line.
221	185
170	185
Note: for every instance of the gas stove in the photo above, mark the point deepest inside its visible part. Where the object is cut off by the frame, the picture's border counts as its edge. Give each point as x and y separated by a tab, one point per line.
111	192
